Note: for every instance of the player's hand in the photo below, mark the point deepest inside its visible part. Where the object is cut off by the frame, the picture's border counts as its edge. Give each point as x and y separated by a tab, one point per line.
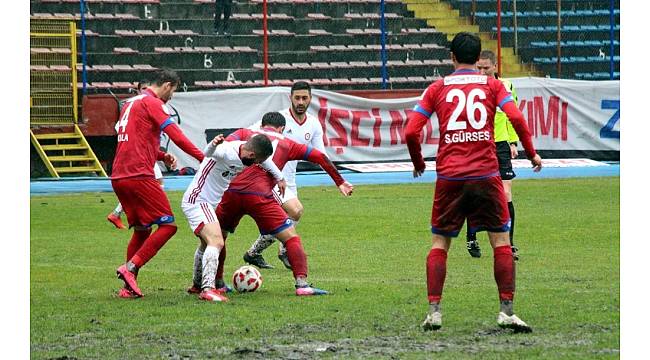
282	186
346	189
218	139
417	173
537	163
513	151
170	160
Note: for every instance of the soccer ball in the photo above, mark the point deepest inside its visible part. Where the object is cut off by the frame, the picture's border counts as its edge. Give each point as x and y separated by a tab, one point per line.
247	279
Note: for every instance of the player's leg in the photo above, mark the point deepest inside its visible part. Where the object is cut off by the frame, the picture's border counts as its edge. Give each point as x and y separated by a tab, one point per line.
210	234
140	234
436	274
114	217
220	284
294	209
491	214
504	156
447	218
272	219
149	205
473	246
507	188
504	274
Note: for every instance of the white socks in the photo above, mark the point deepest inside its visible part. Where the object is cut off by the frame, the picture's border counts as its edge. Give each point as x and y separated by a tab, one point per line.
197	276
210	263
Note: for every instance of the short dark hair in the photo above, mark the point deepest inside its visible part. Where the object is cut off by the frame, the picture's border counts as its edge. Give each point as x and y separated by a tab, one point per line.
260	145
466	47
488	54
142	82
274	119
300	85
165	75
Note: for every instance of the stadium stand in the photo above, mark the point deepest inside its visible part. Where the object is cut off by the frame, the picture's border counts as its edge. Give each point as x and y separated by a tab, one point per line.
340	37
585	30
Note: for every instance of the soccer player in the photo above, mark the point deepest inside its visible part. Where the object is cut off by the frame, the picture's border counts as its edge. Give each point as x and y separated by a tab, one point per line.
302	128
222	163
138	139
251	192
115	216
468	185
505	139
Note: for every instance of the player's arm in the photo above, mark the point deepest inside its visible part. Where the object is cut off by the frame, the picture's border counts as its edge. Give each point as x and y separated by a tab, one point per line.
239	134
209	148
308	153
416	120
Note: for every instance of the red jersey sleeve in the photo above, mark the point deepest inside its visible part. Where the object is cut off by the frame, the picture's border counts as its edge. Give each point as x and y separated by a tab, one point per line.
308	153
240	134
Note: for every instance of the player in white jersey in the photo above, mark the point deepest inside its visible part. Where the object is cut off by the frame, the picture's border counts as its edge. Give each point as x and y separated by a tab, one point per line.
302	128
222	163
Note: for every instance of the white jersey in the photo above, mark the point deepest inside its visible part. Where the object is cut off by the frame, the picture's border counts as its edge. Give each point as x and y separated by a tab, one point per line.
219	167
309	132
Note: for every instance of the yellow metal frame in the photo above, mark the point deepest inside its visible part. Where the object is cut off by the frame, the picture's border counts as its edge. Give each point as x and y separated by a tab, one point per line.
44	33
90	150
43	155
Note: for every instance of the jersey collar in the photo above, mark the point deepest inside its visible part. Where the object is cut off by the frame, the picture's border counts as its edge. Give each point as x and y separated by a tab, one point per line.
296	119
465	71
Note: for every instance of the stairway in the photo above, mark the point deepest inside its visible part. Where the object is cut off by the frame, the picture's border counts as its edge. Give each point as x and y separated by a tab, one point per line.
66	153
439	14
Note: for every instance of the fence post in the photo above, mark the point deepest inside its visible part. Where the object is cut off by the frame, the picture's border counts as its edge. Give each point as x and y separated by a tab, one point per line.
84	79
611	39
499	37
559	39
382	25
514	25
265	43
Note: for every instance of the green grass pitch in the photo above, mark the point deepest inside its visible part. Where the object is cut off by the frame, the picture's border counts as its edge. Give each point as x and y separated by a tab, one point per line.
368	250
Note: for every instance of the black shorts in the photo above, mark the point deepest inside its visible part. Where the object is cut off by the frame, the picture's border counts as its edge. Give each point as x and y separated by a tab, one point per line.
505	163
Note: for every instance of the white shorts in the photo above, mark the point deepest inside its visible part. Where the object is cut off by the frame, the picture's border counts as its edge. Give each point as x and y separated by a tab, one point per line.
291	192
157	172
198	215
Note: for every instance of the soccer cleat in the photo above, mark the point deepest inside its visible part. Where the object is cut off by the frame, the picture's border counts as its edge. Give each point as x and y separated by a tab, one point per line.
212	295
513	322
225	289
473	248
115	220
194	290
129	280
285	259
126	294
515	253
309	291
433	321
257	260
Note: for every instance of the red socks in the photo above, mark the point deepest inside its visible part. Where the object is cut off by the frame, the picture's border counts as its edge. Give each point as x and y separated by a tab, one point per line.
137	239
504	272
436	273
297	256
152	244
